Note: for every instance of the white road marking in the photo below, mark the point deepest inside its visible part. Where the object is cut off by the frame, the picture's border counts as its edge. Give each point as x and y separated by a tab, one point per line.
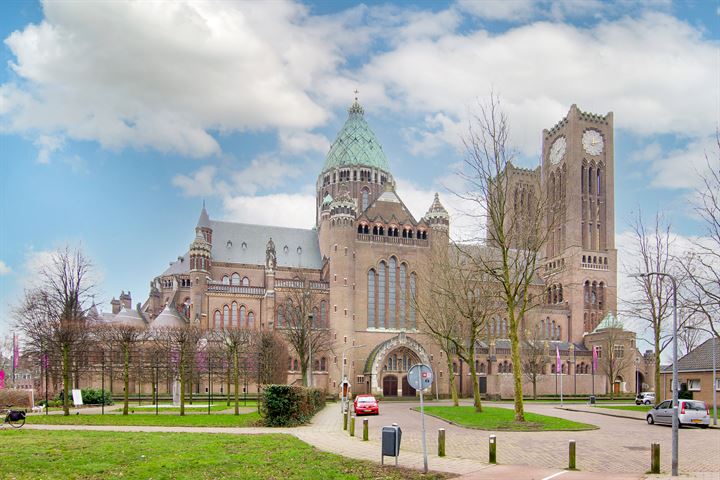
555	475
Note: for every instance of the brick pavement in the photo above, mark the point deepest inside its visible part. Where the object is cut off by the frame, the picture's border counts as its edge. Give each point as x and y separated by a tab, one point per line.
619	449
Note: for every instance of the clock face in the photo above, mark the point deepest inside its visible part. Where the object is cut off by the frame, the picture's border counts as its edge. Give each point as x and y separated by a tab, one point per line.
557	150
592	142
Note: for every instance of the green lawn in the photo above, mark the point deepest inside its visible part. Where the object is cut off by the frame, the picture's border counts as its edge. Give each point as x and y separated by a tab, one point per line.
634	408
145	408
493	418
195	420
103	455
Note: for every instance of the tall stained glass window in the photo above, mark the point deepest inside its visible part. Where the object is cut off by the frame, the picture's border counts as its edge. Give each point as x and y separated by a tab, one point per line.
402	286
371	299
413	283
392	276
382	271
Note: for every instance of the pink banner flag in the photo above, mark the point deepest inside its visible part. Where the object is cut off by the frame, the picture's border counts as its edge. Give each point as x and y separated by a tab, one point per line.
2	378
16	351
595	359
558	362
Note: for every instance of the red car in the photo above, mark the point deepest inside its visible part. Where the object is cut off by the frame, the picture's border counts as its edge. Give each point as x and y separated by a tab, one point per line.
366	404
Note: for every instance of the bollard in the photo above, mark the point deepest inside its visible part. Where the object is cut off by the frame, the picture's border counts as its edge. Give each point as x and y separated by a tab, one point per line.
441	442
365	429
345	420
655	458
352	426
493	449
571	460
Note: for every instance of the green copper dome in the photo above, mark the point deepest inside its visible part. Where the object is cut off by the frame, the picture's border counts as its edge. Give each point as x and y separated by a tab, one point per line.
356	144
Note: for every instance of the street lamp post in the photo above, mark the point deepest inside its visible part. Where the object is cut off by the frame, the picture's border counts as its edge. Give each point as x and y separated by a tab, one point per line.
714	375
342	375
675	419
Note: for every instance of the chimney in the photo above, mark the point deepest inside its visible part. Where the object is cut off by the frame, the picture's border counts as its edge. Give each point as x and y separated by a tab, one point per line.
115	306
126	300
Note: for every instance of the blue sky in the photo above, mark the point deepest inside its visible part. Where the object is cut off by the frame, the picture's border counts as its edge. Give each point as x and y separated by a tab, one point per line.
117	119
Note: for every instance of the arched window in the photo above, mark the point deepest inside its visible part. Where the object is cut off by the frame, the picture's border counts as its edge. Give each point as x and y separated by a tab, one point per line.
225	317
251	320
559	333
392	279
599	179
323	314
295	364
216	320
225	280
482	367
371	299
542	328
365	198
553	368
233	316
412	301
316	317
242	321
280	316
375	230
235	279
245	282
582	178
402	292
381	295
323	364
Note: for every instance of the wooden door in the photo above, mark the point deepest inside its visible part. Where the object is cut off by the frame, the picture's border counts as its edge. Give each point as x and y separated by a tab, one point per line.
390	386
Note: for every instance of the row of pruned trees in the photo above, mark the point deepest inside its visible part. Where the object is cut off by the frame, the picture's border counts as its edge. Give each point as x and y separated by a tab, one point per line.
63	332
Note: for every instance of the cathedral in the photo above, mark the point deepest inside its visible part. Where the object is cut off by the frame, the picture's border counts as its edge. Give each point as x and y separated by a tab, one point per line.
362	261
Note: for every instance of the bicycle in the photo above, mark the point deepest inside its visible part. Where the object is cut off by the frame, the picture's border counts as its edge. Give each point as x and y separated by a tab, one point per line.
15	418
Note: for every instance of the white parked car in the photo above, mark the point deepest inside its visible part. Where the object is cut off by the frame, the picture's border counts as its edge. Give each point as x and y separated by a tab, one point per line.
690	412
645	398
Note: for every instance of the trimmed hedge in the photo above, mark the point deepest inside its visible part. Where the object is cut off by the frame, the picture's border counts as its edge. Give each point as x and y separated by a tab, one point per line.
290	405
96	396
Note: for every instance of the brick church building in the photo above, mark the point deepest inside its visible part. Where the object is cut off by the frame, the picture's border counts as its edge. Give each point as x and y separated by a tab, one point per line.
363	256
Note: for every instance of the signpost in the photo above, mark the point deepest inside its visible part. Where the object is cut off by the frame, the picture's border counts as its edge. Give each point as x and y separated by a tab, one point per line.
420	377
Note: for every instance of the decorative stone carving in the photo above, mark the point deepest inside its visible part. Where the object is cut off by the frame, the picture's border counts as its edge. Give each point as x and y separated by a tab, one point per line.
270	255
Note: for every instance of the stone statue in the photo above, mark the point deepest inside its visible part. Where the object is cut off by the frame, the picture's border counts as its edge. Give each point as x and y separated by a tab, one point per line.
270	256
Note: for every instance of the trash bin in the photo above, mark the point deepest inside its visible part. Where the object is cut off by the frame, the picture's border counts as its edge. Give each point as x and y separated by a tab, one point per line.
391	437
592	399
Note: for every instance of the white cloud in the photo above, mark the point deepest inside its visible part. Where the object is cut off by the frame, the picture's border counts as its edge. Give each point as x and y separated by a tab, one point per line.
47	145
4	269
161	75
641	68
514	10
681	168
283	209
198	184
302	142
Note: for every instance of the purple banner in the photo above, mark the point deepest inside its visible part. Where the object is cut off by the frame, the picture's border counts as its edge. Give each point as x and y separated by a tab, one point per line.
2	378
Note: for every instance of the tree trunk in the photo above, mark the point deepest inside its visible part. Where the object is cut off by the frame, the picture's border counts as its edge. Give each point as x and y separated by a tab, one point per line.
227	393
182	386
453	387
476	388
534	382
236	378
517	367
66	379
126	379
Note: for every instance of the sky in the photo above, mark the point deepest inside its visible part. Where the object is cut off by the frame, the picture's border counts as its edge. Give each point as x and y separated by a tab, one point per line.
118	119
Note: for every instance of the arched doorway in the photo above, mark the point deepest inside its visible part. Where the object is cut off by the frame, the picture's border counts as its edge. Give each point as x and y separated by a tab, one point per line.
390	386
393	358
617	385
407	390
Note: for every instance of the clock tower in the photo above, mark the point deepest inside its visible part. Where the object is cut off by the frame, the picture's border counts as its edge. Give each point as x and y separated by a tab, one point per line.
580	260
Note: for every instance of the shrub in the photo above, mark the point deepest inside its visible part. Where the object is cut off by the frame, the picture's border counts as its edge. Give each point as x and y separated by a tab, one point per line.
96	396
685	395
16	398
288	405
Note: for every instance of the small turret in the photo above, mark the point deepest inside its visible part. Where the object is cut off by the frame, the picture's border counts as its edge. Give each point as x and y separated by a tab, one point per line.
203	225
116	305
126	299
437	217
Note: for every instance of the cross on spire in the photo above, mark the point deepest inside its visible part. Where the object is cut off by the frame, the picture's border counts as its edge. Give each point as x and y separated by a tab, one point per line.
356	94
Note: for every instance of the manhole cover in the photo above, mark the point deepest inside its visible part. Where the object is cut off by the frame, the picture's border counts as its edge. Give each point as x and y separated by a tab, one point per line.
639	449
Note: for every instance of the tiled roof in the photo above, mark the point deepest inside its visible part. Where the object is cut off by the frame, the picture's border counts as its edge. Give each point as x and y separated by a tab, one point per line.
245	243
699	358
356	144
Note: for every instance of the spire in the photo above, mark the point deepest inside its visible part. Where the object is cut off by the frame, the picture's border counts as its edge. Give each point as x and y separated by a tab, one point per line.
437	216
356	109
204	220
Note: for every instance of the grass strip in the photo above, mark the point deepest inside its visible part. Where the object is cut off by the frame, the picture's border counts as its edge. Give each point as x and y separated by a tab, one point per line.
503	419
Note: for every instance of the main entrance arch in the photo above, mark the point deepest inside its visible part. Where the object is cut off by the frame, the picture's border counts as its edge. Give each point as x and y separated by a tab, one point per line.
391	360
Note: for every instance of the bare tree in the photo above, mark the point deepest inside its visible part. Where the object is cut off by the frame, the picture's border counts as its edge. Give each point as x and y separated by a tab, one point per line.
534	354
53	315
302	328
613	359
703	266
513	211
455	307
180	345
237	344
651	300
272	354
127	340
